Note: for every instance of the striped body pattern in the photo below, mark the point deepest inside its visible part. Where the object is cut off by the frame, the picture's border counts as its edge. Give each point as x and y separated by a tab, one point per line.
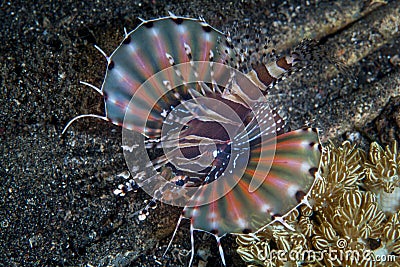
214	144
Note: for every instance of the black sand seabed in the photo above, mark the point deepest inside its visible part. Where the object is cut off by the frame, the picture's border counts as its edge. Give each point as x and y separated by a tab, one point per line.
57	206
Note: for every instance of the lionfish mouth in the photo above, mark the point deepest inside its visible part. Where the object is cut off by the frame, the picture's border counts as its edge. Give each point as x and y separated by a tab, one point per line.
201	134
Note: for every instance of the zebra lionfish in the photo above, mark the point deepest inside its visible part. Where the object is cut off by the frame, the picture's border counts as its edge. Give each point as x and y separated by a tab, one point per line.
225	156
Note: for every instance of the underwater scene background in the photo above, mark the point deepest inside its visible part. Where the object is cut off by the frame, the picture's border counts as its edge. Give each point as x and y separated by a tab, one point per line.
57	201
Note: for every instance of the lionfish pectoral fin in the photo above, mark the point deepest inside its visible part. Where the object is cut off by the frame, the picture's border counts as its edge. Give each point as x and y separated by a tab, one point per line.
191	243
173	235
306	202
103	53
80	117
205	88
221	250
284	223
98	90
172	15
254	185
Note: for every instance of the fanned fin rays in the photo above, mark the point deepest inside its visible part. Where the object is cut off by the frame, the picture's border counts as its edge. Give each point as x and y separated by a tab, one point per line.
258	197
297	157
